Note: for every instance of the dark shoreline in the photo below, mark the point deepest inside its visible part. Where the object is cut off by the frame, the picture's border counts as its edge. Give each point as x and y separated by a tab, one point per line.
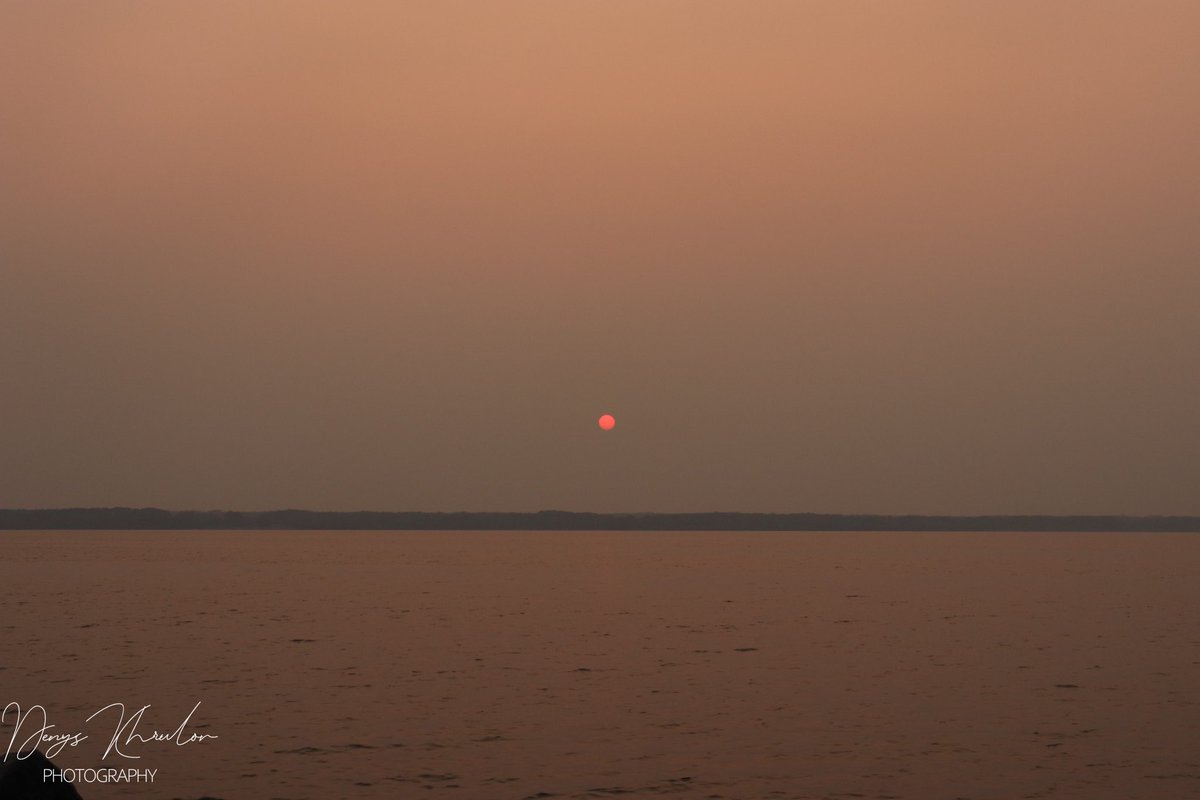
160	519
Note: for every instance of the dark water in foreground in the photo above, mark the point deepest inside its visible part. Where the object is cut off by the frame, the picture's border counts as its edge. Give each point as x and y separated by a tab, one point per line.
492	665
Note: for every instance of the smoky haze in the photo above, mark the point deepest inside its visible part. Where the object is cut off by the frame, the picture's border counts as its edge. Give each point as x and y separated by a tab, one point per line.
926	257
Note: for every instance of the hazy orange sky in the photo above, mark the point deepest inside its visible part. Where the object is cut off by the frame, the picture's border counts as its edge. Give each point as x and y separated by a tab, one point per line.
847	256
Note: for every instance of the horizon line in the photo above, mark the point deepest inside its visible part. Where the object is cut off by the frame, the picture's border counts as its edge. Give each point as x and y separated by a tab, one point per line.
722	512
153	518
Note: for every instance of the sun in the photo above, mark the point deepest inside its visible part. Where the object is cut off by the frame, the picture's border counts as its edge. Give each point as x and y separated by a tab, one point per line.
607	422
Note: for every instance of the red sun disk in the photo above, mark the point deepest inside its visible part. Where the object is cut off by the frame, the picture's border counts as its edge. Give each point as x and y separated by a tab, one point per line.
607	422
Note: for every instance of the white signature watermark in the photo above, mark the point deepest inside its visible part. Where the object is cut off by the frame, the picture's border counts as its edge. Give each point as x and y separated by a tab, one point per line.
128	733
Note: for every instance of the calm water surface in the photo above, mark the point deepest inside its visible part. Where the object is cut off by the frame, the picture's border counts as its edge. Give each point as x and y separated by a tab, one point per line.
498	666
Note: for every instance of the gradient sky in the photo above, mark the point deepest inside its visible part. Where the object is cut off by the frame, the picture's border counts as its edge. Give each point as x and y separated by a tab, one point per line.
935	257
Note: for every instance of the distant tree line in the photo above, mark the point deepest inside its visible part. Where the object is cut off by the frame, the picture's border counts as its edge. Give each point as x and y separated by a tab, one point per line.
294	519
